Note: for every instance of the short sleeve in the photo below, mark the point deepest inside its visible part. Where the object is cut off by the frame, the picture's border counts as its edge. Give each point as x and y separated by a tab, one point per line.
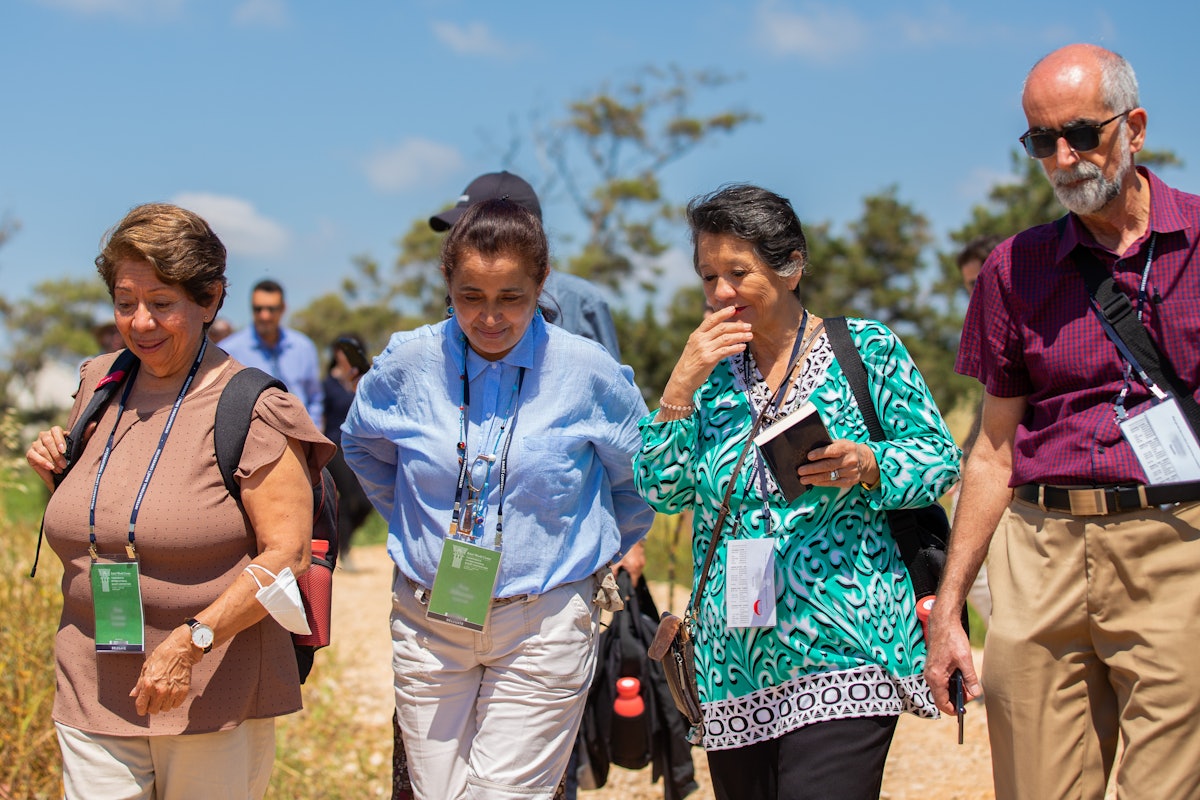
279	416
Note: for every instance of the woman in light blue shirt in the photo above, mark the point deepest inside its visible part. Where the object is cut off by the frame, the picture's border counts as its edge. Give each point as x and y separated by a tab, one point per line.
499	449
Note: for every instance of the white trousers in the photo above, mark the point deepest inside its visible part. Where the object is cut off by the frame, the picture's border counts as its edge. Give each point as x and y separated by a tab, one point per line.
225	765
493	715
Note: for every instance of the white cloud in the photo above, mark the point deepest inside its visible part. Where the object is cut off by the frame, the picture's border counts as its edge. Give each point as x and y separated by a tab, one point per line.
819	33
473	39
412	163
142	9
244	230
261	13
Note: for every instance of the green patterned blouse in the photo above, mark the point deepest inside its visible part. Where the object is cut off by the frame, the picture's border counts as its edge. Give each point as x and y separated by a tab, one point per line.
846	642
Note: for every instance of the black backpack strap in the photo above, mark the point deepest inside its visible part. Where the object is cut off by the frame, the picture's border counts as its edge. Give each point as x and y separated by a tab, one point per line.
850	359
232	425
1113	306
124	366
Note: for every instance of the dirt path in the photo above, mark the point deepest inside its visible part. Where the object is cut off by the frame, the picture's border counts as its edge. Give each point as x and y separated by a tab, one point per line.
925	763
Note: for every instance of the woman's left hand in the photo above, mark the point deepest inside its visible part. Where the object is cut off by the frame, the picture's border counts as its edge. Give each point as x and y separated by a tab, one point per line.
842	463
167	674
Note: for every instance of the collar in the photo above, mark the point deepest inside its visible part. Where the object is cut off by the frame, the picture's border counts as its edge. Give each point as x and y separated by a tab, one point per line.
1165	217
262	345
524	354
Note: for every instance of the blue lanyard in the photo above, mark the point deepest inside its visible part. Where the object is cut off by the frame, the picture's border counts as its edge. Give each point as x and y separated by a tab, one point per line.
130	547
475	508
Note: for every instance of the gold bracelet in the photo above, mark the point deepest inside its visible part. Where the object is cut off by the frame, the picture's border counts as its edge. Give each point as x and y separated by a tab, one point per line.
687	409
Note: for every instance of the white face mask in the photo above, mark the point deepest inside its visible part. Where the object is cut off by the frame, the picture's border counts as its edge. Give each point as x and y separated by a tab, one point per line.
281	599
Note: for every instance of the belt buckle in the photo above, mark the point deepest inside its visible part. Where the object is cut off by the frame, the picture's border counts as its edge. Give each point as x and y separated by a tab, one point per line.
1088	502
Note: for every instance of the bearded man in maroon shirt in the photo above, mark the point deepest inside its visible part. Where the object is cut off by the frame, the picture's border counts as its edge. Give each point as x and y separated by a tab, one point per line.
1093	566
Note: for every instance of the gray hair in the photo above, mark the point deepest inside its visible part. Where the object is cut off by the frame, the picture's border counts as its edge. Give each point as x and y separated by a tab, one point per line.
1118	84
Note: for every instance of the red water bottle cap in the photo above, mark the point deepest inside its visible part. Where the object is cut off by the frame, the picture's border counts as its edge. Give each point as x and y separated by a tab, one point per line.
320	548
629	701
925	608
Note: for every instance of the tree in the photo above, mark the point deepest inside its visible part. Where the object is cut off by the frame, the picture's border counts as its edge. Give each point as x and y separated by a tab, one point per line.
605	156
608	153
880	269
350	310
652	346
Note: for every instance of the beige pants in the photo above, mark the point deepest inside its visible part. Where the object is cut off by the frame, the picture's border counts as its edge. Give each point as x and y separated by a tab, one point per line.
493	716
226	765
1093	640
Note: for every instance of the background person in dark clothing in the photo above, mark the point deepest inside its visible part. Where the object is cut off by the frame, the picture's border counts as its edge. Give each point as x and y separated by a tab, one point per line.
347	362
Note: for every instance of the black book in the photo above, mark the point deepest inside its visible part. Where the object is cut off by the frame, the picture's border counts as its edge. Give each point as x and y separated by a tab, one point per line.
785	445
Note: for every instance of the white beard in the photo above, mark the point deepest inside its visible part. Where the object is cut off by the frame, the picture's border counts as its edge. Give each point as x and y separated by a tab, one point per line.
1094	191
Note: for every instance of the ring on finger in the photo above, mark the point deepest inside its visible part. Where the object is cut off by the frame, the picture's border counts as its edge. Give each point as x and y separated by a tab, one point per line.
833	476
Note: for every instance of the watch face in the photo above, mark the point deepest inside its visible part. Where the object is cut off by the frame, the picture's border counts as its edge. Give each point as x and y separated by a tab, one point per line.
202	635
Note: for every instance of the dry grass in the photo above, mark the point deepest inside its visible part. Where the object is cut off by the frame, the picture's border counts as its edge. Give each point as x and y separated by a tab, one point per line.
30	766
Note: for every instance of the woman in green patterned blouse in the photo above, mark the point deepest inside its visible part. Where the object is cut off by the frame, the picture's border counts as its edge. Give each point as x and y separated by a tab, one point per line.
804	670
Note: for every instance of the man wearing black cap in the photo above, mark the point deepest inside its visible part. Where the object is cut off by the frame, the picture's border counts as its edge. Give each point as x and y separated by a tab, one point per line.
573	303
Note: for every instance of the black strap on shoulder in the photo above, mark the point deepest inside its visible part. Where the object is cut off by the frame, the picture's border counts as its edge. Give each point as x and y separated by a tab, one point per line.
234	410
124	366
850	359
1113	304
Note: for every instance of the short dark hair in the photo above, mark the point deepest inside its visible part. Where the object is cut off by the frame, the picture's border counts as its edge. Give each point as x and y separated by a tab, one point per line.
978	249
180	246
756	215
268	285
494	227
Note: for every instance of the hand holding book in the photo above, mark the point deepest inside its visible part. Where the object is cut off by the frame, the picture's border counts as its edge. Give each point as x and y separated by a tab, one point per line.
788	445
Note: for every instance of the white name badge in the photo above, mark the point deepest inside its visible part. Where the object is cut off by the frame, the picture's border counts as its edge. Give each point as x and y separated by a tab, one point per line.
1164	443
750	583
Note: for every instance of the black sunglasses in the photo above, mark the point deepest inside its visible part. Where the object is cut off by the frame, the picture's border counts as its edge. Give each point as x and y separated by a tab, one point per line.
1081	137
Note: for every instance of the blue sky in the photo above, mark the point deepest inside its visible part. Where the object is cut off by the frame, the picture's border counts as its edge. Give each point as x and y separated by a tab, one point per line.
311	132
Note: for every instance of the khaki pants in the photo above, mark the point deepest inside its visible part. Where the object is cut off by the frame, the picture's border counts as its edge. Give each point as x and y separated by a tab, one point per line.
1093	640
225	765
494	715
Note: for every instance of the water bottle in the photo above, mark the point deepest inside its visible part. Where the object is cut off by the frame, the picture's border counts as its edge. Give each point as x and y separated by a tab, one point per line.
628	740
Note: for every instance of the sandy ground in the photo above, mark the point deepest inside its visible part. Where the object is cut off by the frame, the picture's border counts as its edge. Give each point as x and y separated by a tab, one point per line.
925	763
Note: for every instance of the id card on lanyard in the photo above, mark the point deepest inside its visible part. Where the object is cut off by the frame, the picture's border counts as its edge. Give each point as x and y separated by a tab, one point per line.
117	599
1164	443
464	584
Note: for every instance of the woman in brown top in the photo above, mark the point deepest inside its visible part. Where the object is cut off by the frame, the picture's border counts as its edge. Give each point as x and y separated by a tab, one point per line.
192	714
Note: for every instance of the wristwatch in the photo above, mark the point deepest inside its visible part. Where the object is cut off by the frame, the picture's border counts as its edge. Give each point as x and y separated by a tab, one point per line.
202	635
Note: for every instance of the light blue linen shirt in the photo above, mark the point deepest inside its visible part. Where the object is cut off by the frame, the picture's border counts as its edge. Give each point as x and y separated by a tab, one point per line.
570	506
293	360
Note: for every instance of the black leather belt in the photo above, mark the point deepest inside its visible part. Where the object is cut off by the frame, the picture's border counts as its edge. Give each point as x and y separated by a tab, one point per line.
1102	500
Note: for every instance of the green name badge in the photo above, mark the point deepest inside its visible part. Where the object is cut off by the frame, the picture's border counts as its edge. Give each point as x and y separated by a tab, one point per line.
463	586
117	599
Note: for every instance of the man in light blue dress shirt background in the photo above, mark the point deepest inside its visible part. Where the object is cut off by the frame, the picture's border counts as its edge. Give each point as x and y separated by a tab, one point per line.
281	352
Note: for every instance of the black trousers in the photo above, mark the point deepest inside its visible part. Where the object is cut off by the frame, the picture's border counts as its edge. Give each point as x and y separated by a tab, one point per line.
841	759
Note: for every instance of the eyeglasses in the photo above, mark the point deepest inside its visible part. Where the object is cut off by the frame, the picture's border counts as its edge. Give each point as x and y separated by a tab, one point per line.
1081	137
266	309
